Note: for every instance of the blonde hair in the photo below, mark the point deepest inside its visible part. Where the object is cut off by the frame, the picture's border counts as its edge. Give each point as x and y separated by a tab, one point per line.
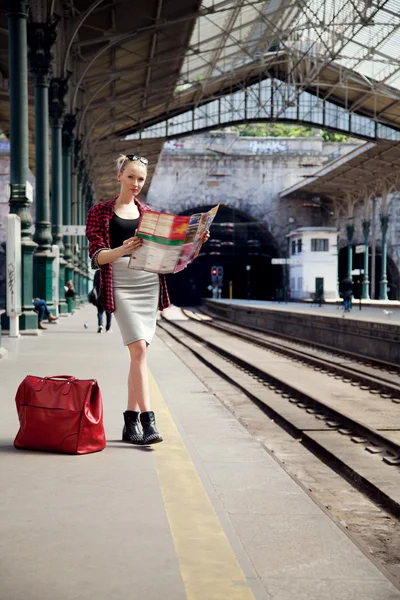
122	161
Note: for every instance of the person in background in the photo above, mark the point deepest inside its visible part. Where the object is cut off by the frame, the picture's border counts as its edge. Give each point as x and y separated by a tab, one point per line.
346	292
100	309
70	293
42	309
70	289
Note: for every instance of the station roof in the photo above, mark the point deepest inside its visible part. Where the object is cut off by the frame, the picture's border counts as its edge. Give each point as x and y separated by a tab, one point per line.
134	64
123	59
341	50
358	173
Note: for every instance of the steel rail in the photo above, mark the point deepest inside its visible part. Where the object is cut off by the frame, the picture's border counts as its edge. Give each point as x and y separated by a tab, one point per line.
372	382
374	436
380	364
349	471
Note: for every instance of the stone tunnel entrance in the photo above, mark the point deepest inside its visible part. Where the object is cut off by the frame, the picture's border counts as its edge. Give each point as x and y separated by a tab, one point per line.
237	243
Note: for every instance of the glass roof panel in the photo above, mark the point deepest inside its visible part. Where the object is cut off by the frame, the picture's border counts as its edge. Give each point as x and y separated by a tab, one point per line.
361	35
233	33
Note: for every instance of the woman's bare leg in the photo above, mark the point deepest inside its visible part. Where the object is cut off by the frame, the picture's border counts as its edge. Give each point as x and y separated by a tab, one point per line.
139	399
138	380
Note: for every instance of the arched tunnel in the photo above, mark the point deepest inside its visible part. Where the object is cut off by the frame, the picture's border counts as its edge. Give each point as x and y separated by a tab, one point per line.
237	242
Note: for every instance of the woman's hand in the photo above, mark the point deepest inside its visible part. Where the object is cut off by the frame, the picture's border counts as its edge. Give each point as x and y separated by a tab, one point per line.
131	245
205	237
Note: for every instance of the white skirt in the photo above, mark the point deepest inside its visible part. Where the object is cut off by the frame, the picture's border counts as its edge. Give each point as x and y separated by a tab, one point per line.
136	295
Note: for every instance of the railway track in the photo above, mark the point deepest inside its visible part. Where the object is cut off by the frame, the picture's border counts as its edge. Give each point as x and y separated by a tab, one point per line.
350	367
353	429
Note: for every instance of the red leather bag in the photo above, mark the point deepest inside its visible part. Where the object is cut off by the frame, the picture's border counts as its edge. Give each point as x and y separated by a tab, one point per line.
60	414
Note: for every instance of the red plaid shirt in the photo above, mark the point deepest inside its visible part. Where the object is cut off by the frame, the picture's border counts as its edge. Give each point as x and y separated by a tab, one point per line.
98	233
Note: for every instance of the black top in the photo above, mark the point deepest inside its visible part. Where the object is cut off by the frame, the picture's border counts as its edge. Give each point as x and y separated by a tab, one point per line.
121	230
346	288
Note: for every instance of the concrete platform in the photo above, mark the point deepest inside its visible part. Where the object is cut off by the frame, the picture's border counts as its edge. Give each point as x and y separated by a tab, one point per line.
384	312
207	515
370	332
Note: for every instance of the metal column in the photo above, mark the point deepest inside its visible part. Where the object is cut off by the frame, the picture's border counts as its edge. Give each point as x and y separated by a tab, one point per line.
57	92
373	249
365	282
67	143
383	295
80	200
350	234
75	216
20	191
41	37
85	201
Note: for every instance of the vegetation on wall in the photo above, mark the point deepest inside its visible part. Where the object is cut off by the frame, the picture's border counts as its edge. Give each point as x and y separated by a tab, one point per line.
284	130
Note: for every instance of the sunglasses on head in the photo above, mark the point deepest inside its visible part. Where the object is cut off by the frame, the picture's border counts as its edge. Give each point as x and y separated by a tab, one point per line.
133	157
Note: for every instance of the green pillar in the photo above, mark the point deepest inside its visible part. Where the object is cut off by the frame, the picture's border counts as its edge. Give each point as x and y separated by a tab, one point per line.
67	143
57	92
337	267
85	199
365	284
383	295
41	37
350	234
75	216
89	202
20	191
81	173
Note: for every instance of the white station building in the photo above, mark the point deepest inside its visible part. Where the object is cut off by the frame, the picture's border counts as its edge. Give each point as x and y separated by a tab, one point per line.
313	262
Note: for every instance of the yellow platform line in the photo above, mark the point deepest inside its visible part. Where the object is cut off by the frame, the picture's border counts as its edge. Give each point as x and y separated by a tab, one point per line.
209	568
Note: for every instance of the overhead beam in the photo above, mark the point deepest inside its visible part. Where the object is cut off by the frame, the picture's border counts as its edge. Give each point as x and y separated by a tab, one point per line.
152	53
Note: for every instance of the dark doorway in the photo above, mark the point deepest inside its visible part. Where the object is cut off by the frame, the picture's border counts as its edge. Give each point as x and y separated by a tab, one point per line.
319	286
237	242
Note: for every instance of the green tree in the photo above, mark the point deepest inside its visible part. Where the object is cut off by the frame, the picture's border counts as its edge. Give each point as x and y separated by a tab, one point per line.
330	136
273	130
285	130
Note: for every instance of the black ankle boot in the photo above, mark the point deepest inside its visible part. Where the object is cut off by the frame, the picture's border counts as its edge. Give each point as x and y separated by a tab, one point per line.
131	432
150	433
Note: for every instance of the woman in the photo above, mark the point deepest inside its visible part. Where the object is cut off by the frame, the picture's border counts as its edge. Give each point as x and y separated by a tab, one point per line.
346	291
69	290
133	296
43	311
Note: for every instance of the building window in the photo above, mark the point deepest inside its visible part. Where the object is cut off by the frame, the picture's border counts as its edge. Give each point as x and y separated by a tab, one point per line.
319	245
299	245
293	247
293	283
300	283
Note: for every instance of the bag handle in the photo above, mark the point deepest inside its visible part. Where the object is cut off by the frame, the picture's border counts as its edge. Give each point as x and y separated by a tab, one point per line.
69	377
